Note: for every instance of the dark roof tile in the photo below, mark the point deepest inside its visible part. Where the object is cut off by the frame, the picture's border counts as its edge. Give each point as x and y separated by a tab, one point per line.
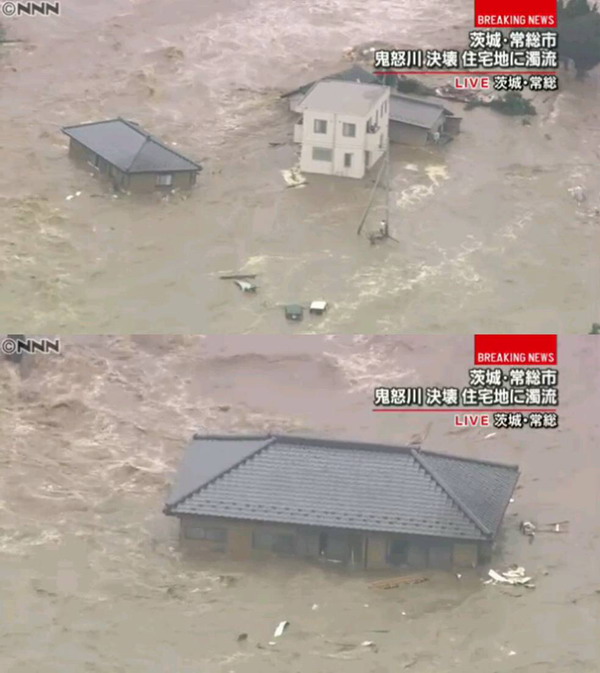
342	484
128	147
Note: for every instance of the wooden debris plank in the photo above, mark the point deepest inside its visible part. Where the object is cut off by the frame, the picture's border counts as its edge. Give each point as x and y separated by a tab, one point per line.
398	581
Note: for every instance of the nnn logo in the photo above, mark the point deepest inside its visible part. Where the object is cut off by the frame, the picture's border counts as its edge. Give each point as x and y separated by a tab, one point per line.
15	346
29	8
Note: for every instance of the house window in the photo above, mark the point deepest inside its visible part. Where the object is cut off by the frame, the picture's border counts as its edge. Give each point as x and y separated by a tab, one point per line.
347	160
165	180
320	126
397	551
321	154
196	532
349	130
279	543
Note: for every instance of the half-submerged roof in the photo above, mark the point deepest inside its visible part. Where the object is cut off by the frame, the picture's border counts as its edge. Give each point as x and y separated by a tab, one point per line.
127	146
351	98
415	111
353	486
353	74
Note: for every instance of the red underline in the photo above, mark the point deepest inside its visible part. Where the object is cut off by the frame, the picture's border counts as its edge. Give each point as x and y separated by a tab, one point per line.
465	72
473	411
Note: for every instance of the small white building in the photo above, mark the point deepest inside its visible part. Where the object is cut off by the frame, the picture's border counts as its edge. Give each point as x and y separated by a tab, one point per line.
343	128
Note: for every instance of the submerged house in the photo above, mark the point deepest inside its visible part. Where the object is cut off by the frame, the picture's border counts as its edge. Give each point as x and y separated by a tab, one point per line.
362	505
412	120
343	128
130	157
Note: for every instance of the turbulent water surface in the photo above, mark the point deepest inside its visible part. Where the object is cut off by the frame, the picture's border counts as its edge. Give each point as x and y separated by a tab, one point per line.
91	578
487	225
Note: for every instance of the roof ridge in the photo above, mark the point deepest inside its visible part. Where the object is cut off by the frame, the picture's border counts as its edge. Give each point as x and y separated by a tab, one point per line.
318	441
269	441
468	459
421	459
137	154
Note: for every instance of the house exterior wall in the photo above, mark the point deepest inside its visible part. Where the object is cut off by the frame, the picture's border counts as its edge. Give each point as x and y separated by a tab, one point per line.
365	149
295	100
146	182
359	550
406	134
452	125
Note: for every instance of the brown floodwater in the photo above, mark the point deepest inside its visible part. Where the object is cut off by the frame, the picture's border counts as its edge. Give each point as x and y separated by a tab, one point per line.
486	226
91	577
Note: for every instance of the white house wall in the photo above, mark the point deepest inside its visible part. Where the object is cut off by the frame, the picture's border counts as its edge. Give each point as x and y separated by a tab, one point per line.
340	145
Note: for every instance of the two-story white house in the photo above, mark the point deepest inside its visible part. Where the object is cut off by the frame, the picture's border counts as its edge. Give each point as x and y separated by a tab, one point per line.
343	128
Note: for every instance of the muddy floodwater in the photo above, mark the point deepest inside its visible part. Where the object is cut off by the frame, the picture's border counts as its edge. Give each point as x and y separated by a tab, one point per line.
486	225
91	576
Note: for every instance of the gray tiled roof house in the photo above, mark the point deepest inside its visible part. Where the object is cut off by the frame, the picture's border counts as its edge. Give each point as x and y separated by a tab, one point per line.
341	484
129	148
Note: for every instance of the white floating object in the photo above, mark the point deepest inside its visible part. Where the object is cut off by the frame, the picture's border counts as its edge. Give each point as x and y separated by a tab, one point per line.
318	307
77	193
245	286
315	607
492	434
293	177
280	629
68	198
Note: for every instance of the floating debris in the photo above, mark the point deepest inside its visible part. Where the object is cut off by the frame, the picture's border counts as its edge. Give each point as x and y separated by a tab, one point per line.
578	194
318	307
398	581
293	177
281	627
294	312
238	276
242	637
245	286
514	576
527	528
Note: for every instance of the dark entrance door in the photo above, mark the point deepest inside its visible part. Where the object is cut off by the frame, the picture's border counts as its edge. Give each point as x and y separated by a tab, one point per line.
342	547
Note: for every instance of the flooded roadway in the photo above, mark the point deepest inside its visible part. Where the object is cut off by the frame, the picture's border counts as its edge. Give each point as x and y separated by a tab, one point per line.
486	226
90	574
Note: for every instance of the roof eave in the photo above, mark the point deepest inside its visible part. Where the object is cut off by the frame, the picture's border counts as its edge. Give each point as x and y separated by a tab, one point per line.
168	510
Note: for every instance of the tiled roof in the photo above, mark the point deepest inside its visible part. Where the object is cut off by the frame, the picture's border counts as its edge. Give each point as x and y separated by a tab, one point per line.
414	111
347	485
128	147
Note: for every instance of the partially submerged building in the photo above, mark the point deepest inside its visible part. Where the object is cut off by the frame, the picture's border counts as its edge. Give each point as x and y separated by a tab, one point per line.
363	505
343	128
130	157
412	120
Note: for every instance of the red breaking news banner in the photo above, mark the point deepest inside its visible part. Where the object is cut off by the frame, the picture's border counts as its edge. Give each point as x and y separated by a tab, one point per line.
516	349
516	14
